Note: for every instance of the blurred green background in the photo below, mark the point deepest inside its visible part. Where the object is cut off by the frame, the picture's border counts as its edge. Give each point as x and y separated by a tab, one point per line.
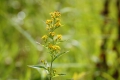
22	24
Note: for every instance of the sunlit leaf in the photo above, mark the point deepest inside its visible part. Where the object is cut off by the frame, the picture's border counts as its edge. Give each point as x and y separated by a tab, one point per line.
38	66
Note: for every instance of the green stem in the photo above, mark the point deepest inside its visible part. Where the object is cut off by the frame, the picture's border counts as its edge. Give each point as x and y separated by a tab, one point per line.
51	67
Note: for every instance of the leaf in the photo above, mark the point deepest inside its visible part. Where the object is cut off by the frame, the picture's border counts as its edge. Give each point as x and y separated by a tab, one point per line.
61	74
59	55
37	66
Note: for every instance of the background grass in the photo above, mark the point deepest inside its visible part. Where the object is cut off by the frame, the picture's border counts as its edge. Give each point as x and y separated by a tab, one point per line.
22	23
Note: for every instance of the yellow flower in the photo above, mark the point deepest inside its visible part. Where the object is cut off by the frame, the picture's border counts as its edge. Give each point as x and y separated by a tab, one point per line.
57	47
58	24
59	37
45	37
50	46
52	15
54	47
52	34
48	22
55	14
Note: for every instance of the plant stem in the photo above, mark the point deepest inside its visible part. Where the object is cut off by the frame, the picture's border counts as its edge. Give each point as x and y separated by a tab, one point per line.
51	67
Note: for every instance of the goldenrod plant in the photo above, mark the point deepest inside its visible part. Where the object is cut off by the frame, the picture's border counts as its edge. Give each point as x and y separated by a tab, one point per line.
51	43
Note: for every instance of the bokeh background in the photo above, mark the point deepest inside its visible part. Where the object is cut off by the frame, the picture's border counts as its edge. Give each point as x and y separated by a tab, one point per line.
91	29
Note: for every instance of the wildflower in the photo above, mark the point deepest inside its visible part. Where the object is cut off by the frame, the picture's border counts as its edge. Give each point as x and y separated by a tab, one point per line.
50	46
45	37
59	37
48	22
52	34
51	41
58	24
55	14
56	48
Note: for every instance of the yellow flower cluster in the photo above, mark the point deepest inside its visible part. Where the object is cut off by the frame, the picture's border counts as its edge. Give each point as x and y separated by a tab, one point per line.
54	22
48	22
58	24
55	14
51	34
54	47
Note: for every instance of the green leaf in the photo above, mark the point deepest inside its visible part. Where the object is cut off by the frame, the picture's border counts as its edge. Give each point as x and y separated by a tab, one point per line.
61	74
38	66
59	55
